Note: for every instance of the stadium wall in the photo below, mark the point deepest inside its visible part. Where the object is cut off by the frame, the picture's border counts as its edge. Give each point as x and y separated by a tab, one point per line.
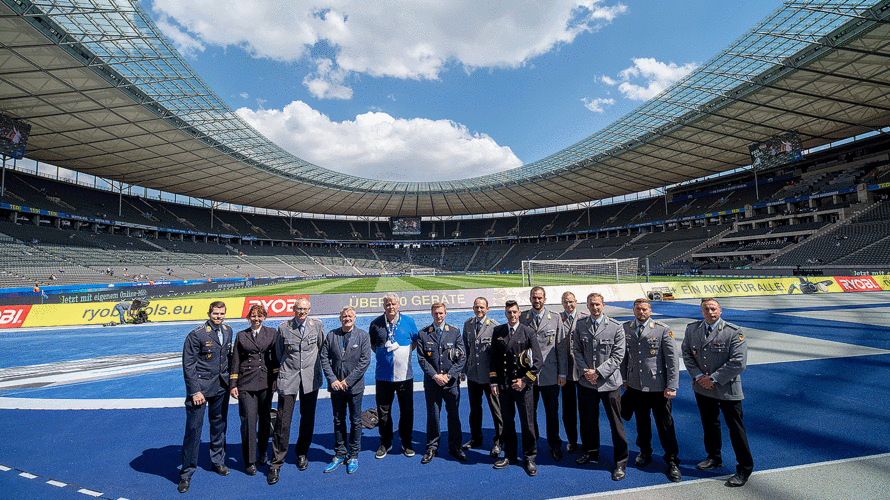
98	313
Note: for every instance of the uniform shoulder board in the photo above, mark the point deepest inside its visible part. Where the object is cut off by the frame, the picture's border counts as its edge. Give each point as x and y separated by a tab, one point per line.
614	321
199	328
628	322
659	323
731	326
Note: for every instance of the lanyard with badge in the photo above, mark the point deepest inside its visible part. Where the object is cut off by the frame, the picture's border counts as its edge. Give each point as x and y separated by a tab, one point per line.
391	344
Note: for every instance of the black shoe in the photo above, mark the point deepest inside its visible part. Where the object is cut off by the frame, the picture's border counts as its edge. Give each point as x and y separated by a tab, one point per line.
495	451
673	473
737	479
643	460
503	463
428	456
530	468
458	454
183	485
571	447
383	450
471	444
263	460
302	462
709	463
272	478
220	469
408	451
250	470
556	454
619	473
586	457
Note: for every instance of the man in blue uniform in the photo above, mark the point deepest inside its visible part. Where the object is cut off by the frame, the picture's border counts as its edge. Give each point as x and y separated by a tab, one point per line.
440	353
515	362
205	367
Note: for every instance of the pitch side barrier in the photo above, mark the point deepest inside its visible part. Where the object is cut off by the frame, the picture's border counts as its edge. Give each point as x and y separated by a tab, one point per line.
184	309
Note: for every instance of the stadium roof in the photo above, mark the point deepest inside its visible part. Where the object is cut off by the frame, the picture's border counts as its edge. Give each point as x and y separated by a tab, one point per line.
107	94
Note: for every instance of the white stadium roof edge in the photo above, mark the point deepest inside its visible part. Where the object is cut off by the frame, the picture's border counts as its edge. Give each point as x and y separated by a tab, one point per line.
106	94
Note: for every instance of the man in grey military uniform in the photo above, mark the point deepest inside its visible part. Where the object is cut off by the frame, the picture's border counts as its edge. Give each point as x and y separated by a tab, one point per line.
477	343
599	349
549	331
569	317
715	355
651	373
298	346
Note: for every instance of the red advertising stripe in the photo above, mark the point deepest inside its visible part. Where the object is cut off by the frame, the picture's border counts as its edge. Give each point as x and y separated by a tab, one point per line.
13	316
858	283
282	305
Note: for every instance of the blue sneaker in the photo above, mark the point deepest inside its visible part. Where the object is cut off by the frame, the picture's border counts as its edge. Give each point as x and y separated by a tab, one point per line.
351	465
333	465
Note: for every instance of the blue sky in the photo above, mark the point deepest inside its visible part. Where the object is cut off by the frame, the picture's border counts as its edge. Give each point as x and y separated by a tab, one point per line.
425	91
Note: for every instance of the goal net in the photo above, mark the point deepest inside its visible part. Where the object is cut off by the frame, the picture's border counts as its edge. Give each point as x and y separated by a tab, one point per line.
422	271
578	272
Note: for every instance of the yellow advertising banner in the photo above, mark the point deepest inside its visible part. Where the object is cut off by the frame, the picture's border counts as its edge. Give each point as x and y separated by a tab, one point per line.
745	287
99	313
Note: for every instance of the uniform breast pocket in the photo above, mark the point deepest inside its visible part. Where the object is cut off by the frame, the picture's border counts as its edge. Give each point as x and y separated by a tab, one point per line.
718	348
606	344
292	346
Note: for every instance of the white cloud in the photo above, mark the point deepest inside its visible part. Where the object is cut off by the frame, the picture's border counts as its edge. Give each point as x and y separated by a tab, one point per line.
596	105
402	39
187	45
608	81
327	82
244	95
656	76
378	146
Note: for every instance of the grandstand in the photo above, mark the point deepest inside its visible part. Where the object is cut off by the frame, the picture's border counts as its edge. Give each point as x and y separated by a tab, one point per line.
826	210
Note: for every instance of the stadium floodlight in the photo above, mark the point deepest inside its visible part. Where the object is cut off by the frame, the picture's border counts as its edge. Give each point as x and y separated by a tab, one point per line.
579	272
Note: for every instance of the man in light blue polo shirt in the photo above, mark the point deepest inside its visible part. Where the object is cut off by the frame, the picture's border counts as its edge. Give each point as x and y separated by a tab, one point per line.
393	338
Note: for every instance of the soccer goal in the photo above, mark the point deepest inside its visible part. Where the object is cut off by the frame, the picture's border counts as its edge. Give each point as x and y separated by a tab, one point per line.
578	272
422	271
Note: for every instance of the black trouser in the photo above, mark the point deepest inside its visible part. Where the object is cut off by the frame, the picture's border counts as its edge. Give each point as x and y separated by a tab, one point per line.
570	410
550	395
217	413
710	409
474	393
660	407
341	401
386	392
435	396
522	402
281	435
590	422
255	407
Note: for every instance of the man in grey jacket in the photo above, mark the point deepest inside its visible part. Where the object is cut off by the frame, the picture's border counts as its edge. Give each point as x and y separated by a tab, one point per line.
599	349
299	343
345	357
477	343
651	373
550	333
715	355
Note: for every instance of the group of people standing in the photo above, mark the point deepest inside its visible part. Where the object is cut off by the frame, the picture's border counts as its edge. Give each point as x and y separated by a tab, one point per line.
537	355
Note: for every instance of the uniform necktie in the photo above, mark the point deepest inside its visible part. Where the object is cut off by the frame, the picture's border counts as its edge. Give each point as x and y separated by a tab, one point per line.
537	321
596	326
219	335
478	326
640	330
710	329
